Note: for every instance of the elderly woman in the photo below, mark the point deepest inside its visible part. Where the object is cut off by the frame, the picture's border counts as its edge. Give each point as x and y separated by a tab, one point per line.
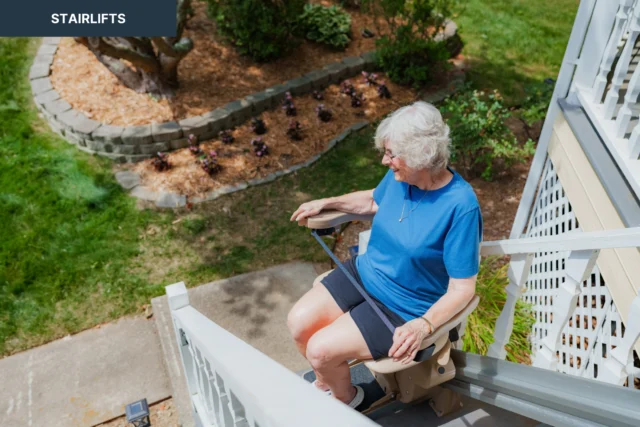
420	266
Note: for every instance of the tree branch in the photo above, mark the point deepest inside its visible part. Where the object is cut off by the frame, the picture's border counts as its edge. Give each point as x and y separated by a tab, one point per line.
139	59
178	50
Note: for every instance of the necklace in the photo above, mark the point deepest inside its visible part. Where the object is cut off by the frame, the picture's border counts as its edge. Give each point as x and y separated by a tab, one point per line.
413	208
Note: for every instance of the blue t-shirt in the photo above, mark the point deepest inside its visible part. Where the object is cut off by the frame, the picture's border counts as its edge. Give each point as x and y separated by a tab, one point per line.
408	264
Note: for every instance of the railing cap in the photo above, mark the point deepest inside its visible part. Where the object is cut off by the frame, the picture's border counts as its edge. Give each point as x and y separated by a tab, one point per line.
177	296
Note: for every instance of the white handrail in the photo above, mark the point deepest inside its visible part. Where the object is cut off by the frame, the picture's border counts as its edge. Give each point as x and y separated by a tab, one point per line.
575	241
233	384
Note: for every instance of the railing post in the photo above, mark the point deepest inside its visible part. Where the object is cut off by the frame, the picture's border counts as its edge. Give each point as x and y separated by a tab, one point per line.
578	268
519	268
615	368
178	298
611	50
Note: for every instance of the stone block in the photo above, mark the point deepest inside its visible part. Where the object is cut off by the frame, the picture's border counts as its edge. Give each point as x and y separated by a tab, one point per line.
196	125
145	194
354	64
239	111
41	85
127	179
358	126
38	70
319	79
277	94
137	135
77	122
57	107
47	49
337	71
154	148
51	40
177	144
43	60
370	61
108	133
260	101
165	131
45	97
126	149
299	86
171	200
99	147
218	119
73	138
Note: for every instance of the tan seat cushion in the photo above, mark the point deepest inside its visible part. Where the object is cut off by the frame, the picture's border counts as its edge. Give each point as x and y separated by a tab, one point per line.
332	218
438	337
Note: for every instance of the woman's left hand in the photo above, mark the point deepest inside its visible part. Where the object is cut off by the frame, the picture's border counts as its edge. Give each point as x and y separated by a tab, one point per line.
407	339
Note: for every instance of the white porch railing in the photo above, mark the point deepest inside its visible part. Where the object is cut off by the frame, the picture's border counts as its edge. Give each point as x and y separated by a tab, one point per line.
234	385
606	82
583	249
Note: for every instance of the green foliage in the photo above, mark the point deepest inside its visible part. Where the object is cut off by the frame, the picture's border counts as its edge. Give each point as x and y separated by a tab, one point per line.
536	101
261	29
327	25
480	138
490	287
409	51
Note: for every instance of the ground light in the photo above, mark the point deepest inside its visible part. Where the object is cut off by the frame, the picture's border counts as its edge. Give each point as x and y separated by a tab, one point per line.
138	413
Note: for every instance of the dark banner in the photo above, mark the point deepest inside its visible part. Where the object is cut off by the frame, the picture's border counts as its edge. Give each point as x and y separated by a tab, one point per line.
115	18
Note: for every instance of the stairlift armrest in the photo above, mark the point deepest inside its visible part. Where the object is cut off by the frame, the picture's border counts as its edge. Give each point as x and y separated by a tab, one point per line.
333	218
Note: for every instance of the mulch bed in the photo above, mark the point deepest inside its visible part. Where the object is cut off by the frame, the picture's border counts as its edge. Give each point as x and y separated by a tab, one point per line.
211	75
238	161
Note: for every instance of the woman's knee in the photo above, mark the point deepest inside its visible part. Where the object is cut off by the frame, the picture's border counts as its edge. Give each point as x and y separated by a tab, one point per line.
320	352
299	323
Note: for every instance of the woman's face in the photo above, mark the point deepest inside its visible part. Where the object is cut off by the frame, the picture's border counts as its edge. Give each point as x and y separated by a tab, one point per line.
401	172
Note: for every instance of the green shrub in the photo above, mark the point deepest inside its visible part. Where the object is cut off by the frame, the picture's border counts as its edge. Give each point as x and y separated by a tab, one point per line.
261	29
409	51
490	287
327	25
480	139
536	102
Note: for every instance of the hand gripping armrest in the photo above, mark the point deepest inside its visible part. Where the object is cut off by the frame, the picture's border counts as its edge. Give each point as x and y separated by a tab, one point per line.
333	218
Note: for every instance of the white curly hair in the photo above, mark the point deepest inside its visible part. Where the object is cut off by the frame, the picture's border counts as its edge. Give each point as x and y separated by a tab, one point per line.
417	134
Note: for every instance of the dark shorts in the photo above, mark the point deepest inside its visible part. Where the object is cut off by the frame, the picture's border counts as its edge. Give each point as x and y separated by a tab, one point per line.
376	334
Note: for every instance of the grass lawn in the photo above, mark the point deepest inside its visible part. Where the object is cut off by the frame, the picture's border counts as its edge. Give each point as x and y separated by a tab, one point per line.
76	251
512	43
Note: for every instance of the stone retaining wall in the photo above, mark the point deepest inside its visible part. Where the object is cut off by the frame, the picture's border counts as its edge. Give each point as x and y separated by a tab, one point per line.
134	143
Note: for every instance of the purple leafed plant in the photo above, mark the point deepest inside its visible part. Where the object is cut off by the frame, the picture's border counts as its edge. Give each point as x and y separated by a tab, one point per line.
259	147
226	137
323	113
161	162
294	131
347	88
287	105
357	100
258	126
209	163
370	78
383	90
317	94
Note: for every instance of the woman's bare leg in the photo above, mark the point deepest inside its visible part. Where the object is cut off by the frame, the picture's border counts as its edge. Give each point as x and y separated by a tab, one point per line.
330	348
314	311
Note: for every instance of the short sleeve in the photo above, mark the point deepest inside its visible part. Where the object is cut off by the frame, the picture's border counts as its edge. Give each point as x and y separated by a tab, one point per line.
462	245
378	192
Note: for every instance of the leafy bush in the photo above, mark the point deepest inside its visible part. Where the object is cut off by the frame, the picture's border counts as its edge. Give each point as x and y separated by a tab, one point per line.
261	29
226	136
259	147
294	131
492	280
161	162
480	138
536	102
288	106
323	114
327	25
409	51
258	126
209	163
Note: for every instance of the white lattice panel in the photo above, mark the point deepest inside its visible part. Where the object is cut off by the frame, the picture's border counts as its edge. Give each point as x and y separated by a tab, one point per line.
595	325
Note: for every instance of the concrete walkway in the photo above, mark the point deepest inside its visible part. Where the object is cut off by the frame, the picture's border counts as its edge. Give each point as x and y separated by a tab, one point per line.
84	379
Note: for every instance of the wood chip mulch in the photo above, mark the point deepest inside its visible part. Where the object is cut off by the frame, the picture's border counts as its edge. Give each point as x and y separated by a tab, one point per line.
211	75
238	161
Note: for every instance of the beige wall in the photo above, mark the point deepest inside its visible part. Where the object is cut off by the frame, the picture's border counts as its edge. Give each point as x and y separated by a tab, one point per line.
595	211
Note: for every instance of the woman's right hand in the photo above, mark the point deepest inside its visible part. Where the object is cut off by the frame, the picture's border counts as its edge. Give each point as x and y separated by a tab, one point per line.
308	209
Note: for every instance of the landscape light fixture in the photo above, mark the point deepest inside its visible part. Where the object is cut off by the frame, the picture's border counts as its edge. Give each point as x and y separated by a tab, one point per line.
138	413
